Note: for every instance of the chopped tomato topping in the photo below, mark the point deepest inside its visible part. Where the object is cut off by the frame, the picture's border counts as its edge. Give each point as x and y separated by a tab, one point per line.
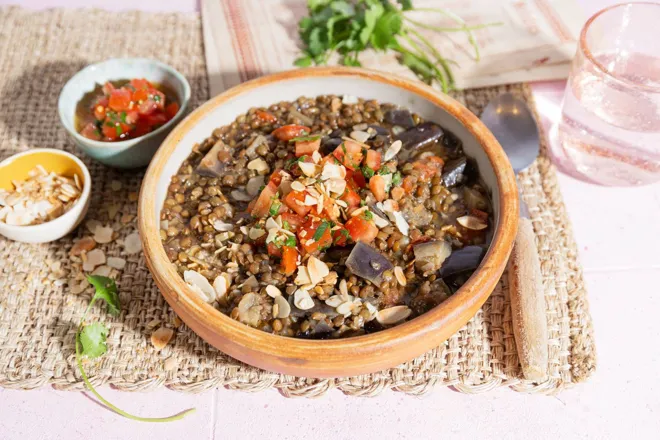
140	95
315	234
349	154
288	132
293	220
273	250
408	184
276	177
361	229
91	131
289	260
483	216
266	116
373	160
262	205
356	179
120	100
307	147
141	83
340	237
115	131
351	198
429	167
295	200
155	102
172	109
377	187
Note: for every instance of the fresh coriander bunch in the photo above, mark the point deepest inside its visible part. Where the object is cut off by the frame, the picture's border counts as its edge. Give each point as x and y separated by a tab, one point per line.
348	27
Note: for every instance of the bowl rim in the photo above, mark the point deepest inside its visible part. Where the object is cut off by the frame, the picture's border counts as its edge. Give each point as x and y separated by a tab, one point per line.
65	218
334	357
185	99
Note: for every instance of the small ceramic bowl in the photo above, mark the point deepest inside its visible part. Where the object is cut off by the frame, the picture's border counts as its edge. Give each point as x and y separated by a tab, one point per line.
19	165
131	153
333	357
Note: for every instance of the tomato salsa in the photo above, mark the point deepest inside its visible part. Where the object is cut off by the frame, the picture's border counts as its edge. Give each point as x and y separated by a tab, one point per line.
123	110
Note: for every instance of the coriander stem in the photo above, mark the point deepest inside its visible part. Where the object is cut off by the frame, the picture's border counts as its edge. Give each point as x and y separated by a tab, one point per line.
113	407
476	27
442	61
420	53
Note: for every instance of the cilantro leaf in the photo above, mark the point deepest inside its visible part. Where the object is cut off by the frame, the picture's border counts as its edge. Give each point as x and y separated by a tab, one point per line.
385	30
343	7
290	241
406	5
396	179
106	289
368	215
313	5
367	172
371	16
274	208
304	61
321	230
92	338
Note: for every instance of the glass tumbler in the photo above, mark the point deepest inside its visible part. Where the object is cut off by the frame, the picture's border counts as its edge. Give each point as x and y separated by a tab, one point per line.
609	129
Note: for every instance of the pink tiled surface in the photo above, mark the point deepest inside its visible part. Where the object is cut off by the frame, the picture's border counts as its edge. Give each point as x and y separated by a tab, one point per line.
618	232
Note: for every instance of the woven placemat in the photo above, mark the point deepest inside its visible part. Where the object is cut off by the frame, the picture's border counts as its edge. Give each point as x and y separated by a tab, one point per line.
39	52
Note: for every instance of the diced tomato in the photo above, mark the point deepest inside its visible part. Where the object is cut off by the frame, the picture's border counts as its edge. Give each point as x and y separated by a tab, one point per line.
289	260
108	88
361	229
293	220
349	154
140	95
295	200
377	187
427	170
90	131
351	198
141	83
435	161
307	147
308	231
373	160
120	100
288	132
99	112
132	117
266	116
340	237
276	177
156	101
397	193
273	250
262	205
479	214
171	110
115	131
142	127
408	184
155	120
356	179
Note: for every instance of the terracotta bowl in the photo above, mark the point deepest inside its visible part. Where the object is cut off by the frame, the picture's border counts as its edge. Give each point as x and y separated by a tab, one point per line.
340	357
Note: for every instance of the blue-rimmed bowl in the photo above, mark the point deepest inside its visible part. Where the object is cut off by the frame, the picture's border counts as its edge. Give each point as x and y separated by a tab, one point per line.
131	153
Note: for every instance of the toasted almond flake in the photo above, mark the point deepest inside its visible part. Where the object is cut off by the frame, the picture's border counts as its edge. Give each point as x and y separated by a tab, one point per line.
401	223
310	200
221	226
308	168
116	262
126	219
302	300
103	271
85	244
345	308
103	234
343	289
317	270
371	308
92	224
153	323
259	165
331	278
271	223
297	186
161	337
78	287
221	285
400	277
337	186
392	150
359	211
256	233
316	157
254	184
132	243
199	281
276	310
393	315
471	222
77	181
273	291
360	136
132	196
349	99
319	205
341	203
334	301
333	171
283	306
170	364
241	196
93	258
380	221
302	277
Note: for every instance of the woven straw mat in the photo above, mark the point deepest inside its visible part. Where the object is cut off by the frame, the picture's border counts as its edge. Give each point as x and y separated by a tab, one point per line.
39	52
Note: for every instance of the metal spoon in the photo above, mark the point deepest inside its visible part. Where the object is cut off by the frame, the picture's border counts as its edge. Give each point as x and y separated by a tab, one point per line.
510	120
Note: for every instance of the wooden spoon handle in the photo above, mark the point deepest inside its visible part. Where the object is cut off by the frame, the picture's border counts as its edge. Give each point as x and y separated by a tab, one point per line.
530	327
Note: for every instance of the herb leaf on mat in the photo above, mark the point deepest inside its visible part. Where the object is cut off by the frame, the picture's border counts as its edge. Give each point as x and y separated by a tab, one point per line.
349	27
91	342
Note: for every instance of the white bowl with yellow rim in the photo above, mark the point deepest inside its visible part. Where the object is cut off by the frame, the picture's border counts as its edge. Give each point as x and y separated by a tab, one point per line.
17	167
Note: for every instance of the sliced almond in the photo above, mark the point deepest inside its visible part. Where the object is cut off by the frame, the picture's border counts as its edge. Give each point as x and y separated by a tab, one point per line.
132	243
310	200
334	301
103	271
345	308
317	270
113	210
302	277
221	285
127	218
103	234
343	289
161	337
255	233
401	223
296	185
85	244
116	262
221	226
259	165
200	284
471	222
283	306
400	277
92	224
392	150
360	136
93	259
302	300
273	291
393	315
308	168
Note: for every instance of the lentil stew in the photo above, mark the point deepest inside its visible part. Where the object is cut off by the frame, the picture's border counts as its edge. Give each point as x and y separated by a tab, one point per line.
326	217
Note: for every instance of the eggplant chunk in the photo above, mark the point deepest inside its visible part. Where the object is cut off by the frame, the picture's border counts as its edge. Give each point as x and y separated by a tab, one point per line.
329	144
420	136
430	256
366	262
461	260
453	173
215	161
399	117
